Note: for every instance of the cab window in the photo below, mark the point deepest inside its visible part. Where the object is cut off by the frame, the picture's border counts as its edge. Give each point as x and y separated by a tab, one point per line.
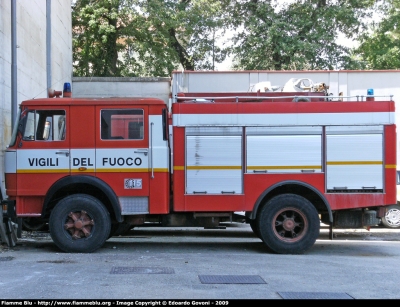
122	124
44	125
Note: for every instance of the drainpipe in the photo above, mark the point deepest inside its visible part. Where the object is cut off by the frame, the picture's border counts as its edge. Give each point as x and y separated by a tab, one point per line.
14	101
48	44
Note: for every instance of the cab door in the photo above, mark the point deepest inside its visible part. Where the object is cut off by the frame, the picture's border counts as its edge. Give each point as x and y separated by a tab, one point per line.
43	154
122	154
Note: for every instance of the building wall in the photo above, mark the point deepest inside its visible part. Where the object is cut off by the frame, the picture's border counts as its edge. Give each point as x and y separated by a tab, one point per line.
350	82
31	55
92	87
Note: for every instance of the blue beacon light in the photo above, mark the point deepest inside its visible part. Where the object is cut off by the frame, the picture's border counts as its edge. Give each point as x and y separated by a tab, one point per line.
370	94
67	89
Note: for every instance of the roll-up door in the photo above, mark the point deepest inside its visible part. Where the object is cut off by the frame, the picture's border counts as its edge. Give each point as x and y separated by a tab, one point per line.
214	160
354	158
284	149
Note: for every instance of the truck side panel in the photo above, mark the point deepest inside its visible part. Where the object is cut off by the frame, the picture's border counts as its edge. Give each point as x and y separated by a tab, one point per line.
336	149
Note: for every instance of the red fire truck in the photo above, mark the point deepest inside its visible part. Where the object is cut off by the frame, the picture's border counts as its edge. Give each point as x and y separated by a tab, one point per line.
282	162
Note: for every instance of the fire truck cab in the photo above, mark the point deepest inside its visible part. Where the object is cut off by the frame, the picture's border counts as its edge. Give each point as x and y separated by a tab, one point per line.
88	166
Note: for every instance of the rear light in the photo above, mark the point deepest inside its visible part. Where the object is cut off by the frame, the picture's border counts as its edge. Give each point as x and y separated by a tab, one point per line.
4	207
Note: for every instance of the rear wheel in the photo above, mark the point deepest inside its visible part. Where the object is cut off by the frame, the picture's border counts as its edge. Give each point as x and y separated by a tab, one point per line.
392	217
254	227
79	223
288	224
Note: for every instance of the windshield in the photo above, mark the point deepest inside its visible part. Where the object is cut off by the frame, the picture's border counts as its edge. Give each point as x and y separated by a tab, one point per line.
15	128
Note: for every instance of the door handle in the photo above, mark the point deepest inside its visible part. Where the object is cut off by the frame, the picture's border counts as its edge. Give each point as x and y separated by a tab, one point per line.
143	151
63	152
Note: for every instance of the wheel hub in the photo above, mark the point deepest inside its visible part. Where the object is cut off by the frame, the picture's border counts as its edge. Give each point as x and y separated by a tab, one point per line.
288	224
79	224
393	217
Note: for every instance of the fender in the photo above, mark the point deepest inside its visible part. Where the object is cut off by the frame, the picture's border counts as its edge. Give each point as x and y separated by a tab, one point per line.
279	184
96	182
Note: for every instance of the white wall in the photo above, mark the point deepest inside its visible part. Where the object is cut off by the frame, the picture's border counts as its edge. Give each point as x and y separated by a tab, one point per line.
31	55
355	82
156	87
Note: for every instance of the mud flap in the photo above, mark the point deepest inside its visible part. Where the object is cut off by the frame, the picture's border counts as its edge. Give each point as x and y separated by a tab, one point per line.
8	230
355	219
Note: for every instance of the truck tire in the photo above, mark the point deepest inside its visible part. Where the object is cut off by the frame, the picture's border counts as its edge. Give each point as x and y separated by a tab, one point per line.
254	227
392	217
79	223
288	224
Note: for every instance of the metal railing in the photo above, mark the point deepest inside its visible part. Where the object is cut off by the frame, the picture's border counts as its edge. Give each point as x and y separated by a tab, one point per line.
295	98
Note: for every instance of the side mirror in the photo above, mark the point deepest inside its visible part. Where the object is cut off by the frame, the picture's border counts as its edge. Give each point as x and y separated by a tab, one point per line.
21	125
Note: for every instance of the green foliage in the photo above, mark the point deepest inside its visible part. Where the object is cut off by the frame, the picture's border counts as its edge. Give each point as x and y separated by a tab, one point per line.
145	37
380	47
155	37
301	35
95	37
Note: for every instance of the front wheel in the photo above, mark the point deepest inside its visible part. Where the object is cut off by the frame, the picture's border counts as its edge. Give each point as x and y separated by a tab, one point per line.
79	223
392	217
288	224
